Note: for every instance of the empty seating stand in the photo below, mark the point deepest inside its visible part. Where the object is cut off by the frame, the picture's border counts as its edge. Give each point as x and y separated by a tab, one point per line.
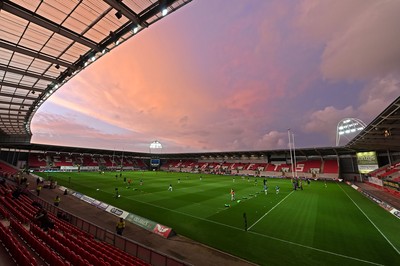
63	245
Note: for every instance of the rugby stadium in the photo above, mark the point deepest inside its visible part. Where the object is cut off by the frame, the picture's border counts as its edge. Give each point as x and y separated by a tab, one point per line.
296	206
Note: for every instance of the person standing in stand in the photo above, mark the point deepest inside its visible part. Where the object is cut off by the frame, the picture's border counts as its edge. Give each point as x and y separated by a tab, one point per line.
57	201
120	226
38	189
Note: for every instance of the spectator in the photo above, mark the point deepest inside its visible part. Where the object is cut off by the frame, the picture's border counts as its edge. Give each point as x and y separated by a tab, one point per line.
57	201
38	189
17	192
44	220
120	226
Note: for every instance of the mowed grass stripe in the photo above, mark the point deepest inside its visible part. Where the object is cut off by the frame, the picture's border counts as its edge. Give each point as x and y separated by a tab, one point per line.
266	236
376	227
316	218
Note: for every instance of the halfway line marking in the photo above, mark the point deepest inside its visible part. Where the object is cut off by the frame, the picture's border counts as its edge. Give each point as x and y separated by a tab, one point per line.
270	210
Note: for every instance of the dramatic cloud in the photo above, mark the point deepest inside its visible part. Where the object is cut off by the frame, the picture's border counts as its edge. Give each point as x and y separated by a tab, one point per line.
360	38
233	82
377	95
273	140
325	121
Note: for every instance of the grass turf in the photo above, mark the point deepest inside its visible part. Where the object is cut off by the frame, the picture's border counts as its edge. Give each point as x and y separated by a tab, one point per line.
317	226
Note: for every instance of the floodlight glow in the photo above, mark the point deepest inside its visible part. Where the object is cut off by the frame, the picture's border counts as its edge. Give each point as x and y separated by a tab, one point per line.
103	51
56	86
348	126
117	42
93	58
155	145
86	63
135	30
164	12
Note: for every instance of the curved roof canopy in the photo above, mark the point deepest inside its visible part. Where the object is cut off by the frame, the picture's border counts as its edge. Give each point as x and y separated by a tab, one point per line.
44	43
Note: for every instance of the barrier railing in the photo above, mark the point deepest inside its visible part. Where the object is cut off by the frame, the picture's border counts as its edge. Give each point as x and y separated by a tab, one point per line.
130	246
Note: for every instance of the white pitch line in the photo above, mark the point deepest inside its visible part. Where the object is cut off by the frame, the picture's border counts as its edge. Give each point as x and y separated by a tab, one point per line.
376	227
266	236
270	210
315	249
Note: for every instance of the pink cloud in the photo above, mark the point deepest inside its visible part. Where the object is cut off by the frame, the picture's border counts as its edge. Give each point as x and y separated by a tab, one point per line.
273	140
374	97
360	37
325	121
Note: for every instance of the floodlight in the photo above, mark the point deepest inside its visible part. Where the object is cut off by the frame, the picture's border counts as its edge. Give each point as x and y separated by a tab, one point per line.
164	12
93	58
155	145
348	128
135	30
118	14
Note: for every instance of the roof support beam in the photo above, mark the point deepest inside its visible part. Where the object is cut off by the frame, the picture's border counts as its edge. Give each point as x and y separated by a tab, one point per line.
12	85
25	51
25	73
18	96
47	24
17	104
126	11
13	109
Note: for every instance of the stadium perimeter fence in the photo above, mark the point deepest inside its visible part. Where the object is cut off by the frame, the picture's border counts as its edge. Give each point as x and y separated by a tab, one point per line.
131	247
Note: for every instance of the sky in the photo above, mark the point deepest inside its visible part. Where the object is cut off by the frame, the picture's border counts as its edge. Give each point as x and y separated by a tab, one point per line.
219	75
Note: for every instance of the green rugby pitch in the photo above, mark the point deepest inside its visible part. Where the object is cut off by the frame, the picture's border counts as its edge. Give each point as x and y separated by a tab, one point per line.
333	225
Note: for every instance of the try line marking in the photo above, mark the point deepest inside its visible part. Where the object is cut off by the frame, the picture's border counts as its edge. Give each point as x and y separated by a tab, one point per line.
390	243
270	210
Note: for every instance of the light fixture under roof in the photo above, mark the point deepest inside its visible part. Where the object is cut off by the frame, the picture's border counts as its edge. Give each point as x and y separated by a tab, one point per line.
164	12
118	15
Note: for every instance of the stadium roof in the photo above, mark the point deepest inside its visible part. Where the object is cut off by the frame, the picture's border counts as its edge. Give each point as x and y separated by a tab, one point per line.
44	43
383	133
